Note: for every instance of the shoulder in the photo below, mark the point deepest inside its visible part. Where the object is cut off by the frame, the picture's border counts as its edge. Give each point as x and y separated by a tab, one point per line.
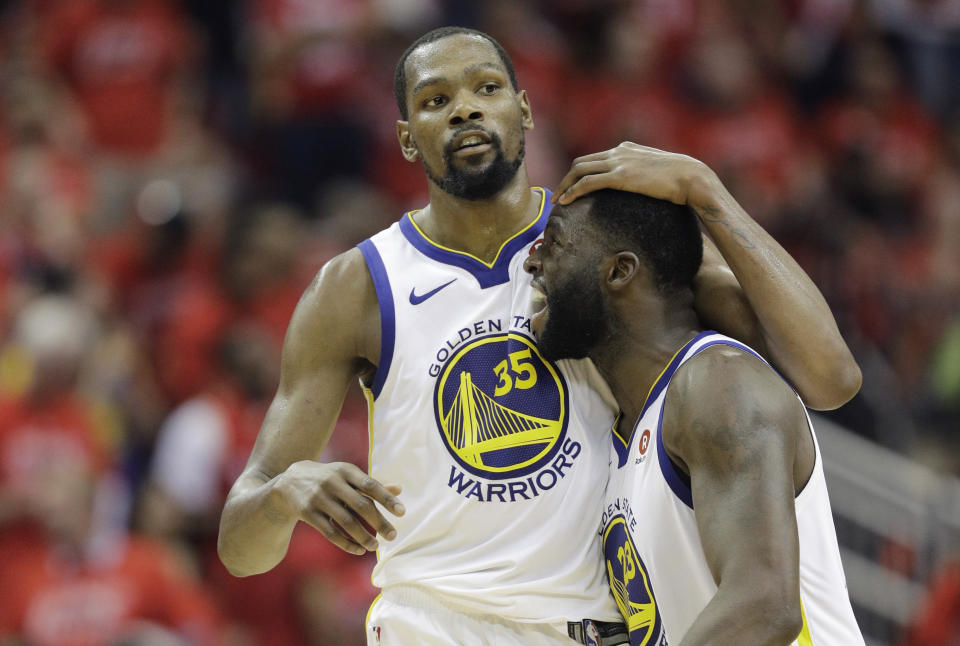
339	309
724	396
345	277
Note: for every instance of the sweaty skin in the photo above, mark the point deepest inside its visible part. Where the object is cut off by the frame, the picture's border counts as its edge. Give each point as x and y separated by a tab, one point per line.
778	311
729	422
334	335
744	442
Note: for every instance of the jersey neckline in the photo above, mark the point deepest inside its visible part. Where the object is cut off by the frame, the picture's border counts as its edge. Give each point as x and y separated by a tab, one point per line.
621	444
487	274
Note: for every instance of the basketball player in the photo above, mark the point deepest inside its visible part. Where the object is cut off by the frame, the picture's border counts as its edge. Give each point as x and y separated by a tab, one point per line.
716	524
501	455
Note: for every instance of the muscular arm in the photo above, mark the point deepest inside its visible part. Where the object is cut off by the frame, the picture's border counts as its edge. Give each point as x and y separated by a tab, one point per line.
752	289
332	338
743	441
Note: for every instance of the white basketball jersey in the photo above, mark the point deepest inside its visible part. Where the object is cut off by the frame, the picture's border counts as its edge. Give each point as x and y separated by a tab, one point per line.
502	455
658	573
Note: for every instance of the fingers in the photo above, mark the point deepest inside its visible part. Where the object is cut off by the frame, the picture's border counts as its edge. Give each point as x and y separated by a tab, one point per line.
584	185
332	532
582	166
343	507
371	488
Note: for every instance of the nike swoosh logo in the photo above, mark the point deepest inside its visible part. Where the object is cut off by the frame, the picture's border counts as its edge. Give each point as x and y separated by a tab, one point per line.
416	300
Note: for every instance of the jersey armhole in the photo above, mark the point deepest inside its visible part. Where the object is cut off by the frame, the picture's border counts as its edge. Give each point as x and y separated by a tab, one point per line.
381	283
677	480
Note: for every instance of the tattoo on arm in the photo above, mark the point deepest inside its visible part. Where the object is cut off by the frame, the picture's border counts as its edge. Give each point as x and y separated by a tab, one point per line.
713	214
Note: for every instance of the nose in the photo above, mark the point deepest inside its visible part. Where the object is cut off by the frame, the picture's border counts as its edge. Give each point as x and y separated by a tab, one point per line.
464	109
532	264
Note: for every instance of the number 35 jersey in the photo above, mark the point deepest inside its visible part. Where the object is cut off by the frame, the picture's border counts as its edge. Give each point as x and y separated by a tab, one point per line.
502	455
655	562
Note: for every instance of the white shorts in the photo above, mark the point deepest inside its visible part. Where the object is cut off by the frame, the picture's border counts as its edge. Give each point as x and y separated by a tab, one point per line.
404	620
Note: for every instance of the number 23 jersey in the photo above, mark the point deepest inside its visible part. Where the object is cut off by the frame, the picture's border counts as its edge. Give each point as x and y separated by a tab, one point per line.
502	455
655	562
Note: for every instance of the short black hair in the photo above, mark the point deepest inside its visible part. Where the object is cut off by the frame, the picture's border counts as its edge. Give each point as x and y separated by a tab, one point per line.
664	235
400	74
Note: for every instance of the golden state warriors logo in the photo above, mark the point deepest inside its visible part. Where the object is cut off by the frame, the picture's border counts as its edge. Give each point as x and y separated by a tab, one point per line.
630	585
500	407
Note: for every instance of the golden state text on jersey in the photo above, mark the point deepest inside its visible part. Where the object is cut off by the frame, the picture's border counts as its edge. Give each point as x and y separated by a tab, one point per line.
630	582
501	412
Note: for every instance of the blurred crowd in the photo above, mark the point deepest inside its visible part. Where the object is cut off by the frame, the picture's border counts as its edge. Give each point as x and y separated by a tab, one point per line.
173	173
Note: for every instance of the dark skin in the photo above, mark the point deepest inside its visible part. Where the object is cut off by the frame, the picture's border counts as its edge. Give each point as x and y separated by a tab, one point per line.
334	335
742	439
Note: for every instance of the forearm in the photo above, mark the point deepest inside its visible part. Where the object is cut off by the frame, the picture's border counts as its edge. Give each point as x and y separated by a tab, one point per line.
796	324
255	527
734	618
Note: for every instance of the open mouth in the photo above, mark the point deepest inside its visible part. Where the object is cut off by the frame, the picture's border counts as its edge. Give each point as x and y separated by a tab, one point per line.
538	305
472	143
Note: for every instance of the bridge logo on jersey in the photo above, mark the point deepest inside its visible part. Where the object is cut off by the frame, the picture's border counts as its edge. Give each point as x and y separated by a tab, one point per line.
631	586
500	407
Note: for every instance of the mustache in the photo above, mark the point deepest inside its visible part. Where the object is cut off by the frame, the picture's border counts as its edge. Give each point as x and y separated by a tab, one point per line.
448	149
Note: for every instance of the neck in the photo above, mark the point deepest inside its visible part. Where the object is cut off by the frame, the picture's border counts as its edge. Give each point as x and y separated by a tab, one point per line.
638	348
479	227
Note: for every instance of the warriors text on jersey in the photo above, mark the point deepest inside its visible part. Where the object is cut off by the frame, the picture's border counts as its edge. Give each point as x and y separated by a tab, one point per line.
655	563
502	455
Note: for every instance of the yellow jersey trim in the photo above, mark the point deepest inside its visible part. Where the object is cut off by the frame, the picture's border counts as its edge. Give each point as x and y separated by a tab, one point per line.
366	622
626	442
488	265
804	638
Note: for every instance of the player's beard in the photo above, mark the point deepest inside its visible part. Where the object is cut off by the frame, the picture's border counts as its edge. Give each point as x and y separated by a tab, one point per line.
479	184
577	320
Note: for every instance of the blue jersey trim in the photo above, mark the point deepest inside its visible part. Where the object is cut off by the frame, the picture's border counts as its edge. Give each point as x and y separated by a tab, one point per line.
487	275
679	481
623	448
749	350
381	283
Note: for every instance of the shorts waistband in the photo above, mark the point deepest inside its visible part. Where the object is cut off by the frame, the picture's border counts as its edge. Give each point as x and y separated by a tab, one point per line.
416	597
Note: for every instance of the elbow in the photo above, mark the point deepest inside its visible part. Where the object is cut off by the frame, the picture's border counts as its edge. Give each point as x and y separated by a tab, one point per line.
851	380
784	622
236	561
768	606
838	386
235	566
232	565
778	618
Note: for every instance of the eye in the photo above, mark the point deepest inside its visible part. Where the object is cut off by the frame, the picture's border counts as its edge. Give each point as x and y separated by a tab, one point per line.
489	88
436	101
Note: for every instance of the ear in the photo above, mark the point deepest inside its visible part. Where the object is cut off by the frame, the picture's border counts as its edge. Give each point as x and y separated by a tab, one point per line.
621	269
407	145
525	111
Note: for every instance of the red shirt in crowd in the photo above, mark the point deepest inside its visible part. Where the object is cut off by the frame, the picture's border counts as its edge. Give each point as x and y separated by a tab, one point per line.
122	60
50	600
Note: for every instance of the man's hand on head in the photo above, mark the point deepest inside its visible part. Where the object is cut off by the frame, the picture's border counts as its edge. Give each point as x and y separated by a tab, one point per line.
639	169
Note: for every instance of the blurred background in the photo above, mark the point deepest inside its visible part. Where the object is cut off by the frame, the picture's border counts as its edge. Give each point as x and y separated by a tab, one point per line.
173	173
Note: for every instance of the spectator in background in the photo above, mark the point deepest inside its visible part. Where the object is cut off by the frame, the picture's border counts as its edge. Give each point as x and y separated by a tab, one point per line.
44	418
938	622
308	69
317	596
89	583
737	119
125	62
46	190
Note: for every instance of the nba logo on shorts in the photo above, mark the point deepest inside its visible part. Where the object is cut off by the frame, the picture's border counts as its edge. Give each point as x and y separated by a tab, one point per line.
376	631
590	633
